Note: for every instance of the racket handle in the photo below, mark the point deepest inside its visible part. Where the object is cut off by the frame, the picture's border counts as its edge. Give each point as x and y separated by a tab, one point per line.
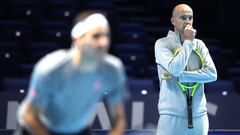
190	118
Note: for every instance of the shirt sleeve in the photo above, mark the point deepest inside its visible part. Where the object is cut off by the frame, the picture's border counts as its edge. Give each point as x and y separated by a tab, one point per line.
119	93
207	74
174	64
38	94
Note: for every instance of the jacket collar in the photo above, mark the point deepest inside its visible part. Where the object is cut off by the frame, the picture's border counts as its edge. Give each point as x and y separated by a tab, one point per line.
175	36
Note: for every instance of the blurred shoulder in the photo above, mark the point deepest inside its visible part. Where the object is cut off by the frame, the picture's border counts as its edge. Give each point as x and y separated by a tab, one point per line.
52	61
112	61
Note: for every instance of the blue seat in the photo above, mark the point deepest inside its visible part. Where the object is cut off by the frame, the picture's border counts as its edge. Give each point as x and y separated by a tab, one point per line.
134	59
128	48
44	46
55	31
156	83
211	41
4	5
10	64
60	36
105	6
21	36
27	9
35	3
152	70
130	71
26	70
132	32
138	86
138	62
37	56
9	46
220	63
15	84
133	37
20	24
63	9
61	3
47	24
38	49
233	72
130	26
220	86
62	13
29	13
15	30
215	51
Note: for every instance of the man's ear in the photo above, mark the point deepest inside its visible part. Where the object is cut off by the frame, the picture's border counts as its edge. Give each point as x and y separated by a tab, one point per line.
172	21
77	42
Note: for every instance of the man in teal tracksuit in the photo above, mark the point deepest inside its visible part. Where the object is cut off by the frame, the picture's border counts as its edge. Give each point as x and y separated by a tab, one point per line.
181	58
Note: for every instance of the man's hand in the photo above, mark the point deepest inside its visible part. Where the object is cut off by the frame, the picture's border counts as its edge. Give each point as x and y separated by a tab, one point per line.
166	75
32	123
189	32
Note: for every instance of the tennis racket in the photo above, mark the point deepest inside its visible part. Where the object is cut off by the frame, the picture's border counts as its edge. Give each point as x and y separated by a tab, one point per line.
195	62
189	91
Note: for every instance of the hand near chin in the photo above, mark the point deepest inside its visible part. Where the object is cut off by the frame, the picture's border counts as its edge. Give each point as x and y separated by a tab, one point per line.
189	32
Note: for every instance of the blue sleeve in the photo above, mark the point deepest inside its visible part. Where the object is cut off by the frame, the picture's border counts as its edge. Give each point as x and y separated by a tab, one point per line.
38	94
119	93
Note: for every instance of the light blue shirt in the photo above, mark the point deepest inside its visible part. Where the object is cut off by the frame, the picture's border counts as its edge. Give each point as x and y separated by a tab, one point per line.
182	67
67	97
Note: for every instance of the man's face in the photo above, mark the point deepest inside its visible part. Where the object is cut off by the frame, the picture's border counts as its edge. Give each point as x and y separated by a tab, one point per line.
182	18
98	39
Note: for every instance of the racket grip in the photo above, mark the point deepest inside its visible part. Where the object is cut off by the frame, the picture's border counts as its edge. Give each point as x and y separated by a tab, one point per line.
190	119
